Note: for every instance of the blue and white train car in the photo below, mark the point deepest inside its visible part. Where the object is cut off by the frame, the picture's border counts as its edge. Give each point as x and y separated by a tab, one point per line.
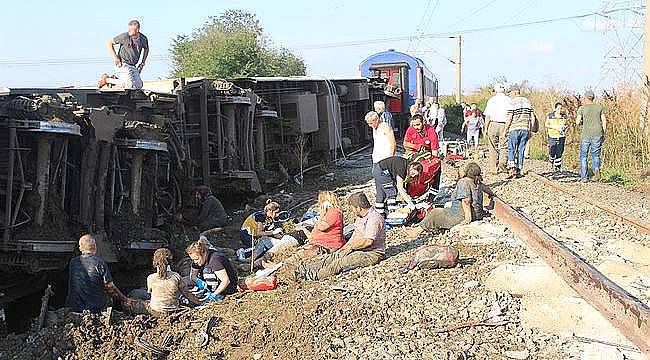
406	72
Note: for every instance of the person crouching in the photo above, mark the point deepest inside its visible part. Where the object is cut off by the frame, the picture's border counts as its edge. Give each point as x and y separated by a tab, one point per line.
212	273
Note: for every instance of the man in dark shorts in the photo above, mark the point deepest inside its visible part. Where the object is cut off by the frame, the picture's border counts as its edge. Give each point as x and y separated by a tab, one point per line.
90	280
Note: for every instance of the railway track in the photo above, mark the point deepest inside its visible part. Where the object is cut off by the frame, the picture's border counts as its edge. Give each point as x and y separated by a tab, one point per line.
598	250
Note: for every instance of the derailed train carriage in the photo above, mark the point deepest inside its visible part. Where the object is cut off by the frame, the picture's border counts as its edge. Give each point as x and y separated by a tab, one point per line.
123	163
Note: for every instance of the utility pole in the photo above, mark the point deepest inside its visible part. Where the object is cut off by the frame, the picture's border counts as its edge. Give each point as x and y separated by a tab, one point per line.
645	78
458	69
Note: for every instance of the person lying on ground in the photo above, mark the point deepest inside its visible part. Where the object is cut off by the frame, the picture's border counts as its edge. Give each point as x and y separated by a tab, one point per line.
467	203
212	275
258	226
165	286
90	280
366	247
325	236
134	48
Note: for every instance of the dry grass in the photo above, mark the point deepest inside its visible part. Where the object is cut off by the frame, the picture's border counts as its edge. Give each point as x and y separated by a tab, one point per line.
626	151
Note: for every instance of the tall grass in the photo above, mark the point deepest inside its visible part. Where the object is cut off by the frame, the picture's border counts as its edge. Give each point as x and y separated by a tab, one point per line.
626	151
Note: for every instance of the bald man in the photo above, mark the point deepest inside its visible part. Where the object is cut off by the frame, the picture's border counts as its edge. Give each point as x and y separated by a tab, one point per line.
90	280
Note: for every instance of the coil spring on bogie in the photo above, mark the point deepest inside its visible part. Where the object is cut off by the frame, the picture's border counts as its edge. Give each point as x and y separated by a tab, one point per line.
22	107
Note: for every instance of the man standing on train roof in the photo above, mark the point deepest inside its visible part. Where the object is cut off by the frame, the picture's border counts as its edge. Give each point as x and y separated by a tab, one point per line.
130	58
383	148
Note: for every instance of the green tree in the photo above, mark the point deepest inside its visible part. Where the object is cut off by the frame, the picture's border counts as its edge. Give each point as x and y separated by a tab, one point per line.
232	44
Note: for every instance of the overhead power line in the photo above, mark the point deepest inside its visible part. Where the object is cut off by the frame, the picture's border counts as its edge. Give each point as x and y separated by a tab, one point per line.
448	34
471	14
438	35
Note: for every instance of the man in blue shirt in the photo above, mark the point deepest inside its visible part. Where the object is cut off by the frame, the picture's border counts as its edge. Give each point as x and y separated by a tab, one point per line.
90	280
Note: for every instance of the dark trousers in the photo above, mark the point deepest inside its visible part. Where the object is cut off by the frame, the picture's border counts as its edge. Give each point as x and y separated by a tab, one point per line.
555	151
384	188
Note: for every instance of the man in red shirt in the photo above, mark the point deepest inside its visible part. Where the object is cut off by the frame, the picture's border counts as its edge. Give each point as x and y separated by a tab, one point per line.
420	135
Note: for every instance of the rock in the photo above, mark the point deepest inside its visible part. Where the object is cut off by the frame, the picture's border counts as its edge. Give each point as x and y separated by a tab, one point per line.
519	354
471	284
257	356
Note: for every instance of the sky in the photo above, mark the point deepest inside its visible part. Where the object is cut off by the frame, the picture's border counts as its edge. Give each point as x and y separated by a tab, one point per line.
567	54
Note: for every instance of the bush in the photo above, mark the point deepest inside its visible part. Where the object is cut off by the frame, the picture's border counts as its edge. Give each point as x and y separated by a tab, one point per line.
232	44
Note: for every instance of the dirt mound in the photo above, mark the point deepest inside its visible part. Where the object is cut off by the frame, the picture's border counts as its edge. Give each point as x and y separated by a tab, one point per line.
372	313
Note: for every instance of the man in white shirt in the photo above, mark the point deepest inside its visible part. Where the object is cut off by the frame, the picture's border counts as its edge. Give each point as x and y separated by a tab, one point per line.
496	114
384	147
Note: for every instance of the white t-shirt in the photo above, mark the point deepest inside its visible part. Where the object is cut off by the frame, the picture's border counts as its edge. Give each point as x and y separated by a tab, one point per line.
382	148
497	107
164	292
442	119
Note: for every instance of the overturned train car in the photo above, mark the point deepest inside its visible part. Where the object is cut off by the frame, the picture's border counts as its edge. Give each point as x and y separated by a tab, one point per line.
122	164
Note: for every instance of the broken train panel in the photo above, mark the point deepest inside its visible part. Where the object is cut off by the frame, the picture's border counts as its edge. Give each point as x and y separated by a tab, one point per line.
66	169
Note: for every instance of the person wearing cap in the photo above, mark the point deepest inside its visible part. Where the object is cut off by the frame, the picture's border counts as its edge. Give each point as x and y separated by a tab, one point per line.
518	129
129	60
592	118
496	113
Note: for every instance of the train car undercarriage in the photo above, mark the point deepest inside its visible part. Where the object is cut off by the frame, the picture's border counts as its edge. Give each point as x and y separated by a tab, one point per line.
122	164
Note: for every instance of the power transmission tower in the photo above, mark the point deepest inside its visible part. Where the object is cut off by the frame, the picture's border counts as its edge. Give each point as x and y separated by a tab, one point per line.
622	24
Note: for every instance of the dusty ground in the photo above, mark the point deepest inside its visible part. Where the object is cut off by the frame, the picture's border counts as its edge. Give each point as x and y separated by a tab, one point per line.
372	313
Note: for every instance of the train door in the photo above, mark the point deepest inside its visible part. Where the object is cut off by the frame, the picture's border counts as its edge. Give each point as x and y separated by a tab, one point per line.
394	76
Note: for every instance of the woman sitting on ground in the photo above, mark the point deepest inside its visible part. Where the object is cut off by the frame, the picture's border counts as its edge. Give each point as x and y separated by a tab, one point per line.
164	286
259	224
212	273
325	236
467	203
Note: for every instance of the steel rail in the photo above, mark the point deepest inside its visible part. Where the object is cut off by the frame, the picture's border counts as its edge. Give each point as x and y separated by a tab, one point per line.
622	310
639	225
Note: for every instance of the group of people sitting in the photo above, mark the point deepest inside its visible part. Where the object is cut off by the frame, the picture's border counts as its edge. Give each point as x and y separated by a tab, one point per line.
91	287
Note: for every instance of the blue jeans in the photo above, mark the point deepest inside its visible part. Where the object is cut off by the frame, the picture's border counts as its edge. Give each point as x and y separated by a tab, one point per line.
517	140
262	247
595	143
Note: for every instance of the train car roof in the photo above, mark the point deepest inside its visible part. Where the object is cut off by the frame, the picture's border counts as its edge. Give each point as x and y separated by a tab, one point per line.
301	78
391	56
